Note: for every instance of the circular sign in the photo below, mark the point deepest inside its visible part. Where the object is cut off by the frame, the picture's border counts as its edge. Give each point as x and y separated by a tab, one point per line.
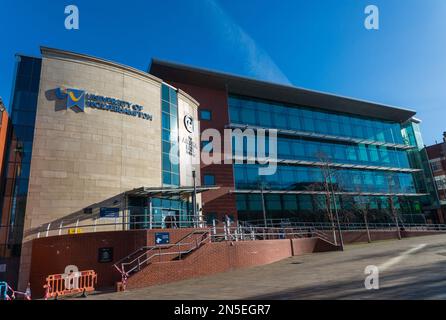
189	123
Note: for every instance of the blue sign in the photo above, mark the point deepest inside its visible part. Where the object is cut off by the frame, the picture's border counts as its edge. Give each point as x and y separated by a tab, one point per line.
109	213
162	238
77	100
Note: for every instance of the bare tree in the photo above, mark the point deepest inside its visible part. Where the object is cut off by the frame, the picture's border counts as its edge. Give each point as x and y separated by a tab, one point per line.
362	205
394	213
328	174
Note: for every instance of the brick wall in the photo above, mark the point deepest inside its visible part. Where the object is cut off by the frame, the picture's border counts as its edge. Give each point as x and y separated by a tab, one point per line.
213	258
51	255
225	256
310	245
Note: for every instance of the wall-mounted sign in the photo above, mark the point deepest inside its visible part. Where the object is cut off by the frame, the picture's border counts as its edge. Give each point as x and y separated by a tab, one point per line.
105	255
162	238
74	230
77	100
191	146
109	212
2	267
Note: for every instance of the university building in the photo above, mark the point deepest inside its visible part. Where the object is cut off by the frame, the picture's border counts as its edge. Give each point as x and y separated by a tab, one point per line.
437	160
375	152
91	145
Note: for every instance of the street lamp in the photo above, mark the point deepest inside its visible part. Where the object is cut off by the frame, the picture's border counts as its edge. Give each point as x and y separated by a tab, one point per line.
194	199
263	202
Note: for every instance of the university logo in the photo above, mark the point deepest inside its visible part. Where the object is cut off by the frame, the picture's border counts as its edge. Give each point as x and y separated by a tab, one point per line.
78	100
75	98
189	123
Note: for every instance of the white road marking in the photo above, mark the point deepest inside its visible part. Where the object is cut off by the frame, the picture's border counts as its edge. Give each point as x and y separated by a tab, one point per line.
400	258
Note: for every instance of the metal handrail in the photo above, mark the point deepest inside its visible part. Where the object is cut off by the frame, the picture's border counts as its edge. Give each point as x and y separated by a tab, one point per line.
159	254
346	226
162	245
149	249
63	225
60	227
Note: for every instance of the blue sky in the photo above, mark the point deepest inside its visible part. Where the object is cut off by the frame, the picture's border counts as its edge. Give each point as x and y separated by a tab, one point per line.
318	44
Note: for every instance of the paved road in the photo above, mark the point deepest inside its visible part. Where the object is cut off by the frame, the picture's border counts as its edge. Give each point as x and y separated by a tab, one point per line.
409	269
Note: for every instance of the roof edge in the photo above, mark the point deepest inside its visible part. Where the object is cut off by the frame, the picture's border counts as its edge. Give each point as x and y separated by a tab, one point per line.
409	113
47	51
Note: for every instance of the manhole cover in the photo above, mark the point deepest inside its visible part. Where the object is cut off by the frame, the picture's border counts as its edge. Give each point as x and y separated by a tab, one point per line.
302	262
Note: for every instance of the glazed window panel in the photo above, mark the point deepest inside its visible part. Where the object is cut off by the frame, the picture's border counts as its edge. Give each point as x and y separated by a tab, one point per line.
165	93
254	111
169	136
305	178
206	115
234	114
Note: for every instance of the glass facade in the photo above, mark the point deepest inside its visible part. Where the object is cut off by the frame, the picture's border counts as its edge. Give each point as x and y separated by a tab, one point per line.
179	212
169	120
268	114
418	158
306	208
312	178
386	177
354	154
23	114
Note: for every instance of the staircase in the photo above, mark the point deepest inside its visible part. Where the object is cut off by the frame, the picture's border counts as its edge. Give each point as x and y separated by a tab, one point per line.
144	256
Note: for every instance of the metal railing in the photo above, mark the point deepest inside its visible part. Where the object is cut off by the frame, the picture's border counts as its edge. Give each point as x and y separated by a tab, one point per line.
243	231
125	222
348	226
142	257
121	222
145	255
135	260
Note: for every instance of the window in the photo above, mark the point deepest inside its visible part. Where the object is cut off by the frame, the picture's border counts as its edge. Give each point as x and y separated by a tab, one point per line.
169	136
284	116
436	165
441	182
209	180
205	115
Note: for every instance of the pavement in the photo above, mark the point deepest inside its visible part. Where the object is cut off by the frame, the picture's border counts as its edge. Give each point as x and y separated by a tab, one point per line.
412	268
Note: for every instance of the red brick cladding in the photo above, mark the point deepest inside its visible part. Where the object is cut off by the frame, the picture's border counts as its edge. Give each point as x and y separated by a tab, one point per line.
438	151
220	201
51	255
225	256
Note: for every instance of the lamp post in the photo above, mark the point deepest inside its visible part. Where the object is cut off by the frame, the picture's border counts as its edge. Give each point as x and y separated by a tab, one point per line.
194	199
263	202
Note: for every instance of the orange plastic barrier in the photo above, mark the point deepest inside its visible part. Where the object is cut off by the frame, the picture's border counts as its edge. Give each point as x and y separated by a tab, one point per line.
58	285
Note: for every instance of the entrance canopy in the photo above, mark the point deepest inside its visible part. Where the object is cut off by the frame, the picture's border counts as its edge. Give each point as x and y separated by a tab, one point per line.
168	192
